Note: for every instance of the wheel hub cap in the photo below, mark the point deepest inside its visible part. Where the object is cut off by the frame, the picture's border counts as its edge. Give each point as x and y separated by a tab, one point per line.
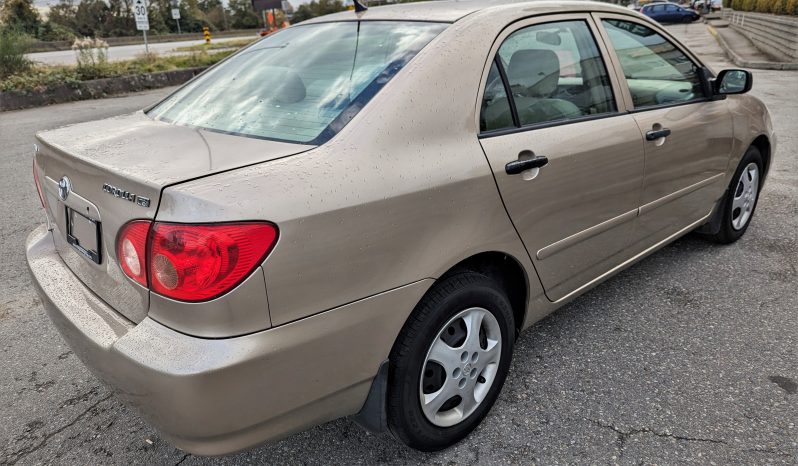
460	367
745	195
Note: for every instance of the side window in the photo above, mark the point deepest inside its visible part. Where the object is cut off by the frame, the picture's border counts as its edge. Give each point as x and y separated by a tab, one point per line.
656	71
555	72
496	113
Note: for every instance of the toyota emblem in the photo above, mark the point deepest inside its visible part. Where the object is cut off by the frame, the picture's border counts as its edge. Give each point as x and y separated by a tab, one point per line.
64	188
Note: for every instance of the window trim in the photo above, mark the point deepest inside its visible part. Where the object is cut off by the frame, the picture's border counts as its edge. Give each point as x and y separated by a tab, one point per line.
599	18
616	86
507	90
548	124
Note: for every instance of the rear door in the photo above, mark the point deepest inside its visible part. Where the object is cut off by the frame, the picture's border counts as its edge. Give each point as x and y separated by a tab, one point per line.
687	137
567	161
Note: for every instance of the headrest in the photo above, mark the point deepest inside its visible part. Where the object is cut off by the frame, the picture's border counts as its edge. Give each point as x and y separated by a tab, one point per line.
535	71
290	89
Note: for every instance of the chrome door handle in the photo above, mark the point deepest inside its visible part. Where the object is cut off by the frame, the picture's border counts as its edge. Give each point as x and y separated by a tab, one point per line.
518	166
660	133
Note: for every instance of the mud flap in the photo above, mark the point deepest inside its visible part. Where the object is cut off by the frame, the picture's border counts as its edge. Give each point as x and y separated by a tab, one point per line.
373	416
712	227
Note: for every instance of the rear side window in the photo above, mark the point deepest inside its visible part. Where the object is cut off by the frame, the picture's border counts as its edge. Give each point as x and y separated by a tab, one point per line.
657	72
555	72
302	84
496	112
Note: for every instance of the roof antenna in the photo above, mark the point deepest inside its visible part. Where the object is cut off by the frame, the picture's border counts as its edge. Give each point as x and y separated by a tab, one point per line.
359	7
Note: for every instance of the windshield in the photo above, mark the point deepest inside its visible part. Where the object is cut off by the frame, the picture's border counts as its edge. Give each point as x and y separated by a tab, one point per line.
302	84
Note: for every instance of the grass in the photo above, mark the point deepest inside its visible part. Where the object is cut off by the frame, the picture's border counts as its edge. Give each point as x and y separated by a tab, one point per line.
39	77
237	43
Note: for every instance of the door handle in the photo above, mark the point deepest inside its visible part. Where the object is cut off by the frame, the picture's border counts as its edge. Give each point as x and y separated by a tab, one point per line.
653	135
517	166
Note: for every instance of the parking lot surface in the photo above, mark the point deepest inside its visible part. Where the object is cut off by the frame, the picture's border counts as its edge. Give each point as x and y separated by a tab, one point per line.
689	356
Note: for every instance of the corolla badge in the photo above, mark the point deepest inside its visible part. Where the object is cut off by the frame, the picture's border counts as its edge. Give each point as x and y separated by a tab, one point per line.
126	195
64	188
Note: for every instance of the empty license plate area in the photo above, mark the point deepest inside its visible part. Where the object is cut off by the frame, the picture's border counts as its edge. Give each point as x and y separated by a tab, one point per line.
83	234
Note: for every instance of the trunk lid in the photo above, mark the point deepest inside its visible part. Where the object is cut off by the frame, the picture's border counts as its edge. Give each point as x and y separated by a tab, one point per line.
116	170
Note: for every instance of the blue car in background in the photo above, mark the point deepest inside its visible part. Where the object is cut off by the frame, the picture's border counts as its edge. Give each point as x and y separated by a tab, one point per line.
669	13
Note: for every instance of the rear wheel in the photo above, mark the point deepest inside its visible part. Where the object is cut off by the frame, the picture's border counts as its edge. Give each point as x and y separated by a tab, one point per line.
741	198
450	361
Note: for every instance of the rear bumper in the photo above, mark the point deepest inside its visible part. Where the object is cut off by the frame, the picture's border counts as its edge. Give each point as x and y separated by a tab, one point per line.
216	396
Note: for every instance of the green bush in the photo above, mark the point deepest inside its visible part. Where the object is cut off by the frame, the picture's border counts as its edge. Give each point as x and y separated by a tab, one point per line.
779	7
13	45
51	31
20	15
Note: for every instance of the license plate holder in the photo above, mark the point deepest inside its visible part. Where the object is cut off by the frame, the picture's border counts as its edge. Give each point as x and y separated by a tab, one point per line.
84	234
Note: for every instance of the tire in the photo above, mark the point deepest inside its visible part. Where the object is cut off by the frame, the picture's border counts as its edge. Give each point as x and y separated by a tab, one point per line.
439	319
741	198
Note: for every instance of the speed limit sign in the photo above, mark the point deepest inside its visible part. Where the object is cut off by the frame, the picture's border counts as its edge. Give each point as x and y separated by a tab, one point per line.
140	12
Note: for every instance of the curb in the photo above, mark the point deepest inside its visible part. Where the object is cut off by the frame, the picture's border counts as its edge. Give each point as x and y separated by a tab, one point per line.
94	89
739	61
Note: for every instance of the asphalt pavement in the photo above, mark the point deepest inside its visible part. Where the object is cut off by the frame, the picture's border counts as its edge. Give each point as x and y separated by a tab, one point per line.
690	356
124	52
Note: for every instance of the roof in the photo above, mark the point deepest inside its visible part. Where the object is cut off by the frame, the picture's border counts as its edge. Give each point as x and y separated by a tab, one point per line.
453	10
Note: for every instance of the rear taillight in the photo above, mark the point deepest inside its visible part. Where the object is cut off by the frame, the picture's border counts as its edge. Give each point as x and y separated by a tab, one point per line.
38	183
189	262
131	249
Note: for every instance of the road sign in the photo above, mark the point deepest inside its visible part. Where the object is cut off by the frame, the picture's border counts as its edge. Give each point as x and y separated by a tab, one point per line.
175	13
263	5
140	12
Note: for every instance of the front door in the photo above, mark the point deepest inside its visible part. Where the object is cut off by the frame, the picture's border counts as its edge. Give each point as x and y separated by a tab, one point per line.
688	138
568	164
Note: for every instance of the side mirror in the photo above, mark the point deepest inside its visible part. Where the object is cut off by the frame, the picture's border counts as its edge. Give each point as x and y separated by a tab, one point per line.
730	82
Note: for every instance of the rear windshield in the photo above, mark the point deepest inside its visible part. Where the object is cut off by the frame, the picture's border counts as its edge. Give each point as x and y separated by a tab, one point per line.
302	84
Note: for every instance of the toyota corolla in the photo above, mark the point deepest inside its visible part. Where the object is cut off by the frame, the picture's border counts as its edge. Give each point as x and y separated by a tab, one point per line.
358	215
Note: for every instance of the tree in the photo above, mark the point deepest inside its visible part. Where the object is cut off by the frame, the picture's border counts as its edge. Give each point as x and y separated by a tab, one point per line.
317	8
119	21
91	17
63	14
21	16
242	16
192	19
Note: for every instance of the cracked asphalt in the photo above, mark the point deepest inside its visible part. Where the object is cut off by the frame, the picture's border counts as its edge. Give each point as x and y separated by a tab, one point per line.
691	356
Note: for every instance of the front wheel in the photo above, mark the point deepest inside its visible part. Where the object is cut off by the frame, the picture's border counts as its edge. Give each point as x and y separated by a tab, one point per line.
450	361
741	198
